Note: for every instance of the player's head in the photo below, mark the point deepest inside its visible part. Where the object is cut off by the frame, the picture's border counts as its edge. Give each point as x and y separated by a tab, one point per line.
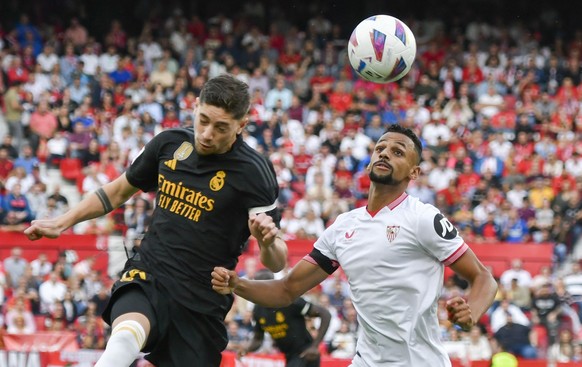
396	157
221	114
264	274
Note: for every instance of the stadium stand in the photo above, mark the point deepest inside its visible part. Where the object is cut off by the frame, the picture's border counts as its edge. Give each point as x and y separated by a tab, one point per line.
516	165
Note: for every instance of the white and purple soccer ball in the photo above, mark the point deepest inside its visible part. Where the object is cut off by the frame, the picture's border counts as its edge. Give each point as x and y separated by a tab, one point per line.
382	49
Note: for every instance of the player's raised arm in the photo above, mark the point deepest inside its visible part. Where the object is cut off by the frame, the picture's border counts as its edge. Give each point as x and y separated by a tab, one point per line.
273	250
270	293
94	205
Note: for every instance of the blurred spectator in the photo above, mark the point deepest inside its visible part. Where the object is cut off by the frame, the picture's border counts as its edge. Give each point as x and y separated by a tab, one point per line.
41	266
519	295
546	306
76	34
79	140
343	344
562	350
516	272
51	291
479	347
515	338
95	178
14	267
500	314
57	148
17	211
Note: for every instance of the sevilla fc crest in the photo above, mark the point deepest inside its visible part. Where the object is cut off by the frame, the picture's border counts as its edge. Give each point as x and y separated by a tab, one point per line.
392	232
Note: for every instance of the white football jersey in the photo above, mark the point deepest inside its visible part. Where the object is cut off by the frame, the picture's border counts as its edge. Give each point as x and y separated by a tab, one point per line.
394	261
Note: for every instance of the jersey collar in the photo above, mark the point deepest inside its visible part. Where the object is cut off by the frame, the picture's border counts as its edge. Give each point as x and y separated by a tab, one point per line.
391	205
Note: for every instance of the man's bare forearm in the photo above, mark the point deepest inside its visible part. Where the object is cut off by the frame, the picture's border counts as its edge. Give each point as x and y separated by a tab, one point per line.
274	256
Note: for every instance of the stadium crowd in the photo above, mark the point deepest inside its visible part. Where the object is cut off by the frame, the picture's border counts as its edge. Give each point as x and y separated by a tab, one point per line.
498	108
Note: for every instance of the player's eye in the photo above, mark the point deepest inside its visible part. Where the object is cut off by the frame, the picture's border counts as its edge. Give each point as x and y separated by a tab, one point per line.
398	153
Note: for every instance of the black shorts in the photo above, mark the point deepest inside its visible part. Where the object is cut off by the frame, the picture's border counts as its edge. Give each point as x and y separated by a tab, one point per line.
179	337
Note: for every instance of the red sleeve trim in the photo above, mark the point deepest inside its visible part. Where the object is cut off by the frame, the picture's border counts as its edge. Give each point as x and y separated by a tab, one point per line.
455	256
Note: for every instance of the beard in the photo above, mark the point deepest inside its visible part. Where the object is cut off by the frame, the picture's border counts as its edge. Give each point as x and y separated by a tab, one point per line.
387	179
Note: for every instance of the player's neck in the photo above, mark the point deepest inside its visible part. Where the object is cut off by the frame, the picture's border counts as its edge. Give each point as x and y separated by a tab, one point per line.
380	196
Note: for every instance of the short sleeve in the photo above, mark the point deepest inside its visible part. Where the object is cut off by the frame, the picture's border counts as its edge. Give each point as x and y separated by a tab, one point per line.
143	171
439	236
262	187
302	306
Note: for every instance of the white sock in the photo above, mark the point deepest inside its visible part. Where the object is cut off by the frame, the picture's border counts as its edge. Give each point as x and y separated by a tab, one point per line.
126	341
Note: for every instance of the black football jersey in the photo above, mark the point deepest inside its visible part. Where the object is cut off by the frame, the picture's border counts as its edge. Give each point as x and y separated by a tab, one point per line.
286	326
201	216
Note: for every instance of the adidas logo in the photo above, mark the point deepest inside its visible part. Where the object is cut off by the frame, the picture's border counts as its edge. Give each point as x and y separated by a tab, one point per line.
171	163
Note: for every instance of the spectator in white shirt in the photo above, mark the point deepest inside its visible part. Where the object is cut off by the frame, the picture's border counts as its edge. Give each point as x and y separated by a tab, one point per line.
516	272
573	165
40	266
499	316
94	179
490	103
279	93
47	59
440	176
500	146
108	60
90	60
50	291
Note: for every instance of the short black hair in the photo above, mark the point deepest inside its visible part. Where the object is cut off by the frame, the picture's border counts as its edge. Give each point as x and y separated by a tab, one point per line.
396	128
227	92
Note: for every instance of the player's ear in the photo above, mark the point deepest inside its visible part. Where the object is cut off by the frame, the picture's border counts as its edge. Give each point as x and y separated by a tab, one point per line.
414	173
242	124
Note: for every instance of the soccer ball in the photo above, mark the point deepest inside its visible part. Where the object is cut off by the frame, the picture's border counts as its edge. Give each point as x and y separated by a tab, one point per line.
382	49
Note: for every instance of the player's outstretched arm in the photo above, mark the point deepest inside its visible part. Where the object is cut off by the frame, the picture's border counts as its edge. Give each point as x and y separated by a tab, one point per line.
483	289
273	249
270	293
94	205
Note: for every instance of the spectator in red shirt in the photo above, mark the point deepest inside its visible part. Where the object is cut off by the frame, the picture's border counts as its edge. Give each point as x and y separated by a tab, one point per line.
16	72
472	74
6	165
433	53
171	119
450	194
468	179
290	59
322	80
340	100
302	161
197	28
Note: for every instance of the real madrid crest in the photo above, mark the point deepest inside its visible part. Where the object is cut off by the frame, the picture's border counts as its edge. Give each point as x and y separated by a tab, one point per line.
392	232
217	182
